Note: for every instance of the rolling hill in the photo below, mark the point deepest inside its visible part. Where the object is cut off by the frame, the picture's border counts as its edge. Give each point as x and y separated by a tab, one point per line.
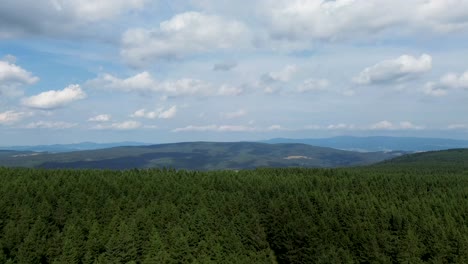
380	143
200	156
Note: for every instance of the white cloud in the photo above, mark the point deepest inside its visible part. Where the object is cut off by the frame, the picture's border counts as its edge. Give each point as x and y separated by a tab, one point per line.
387	125
320	19
443	16
283	75
433	89
9	117
160	113
351	19
55	98
100	118
272	82
145	83
227	90
13	77
276	128
140	83
409	125
182	35
126	125
454	81
169	113
236	114
382	125
313	85
401	69
50	125
449	81
340	126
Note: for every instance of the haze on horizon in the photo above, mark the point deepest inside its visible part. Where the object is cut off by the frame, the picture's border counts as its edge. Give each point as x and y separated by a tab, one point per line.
168	71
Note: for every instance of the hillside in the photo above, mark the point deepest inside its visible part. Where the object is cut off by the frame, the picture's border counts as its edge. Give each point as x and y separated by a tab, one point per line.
200	156
379	143
433	159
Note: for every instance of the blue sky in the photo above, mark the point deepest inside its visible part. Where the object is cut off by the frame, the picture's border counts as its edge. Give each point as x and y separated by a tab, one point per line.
168	71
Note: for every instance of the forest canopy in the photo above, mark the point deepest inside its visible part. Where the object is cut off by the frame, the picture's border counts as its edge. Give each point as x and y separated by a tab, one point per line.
374	214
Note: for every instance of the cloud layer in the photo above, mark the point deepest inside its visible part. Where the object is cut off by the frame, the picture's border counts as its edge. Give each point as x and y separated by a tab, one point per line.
182	35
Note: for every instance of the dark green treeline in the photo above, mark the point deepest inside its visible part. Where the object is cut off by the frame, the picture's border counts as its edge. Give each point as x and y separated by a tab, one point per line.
367	215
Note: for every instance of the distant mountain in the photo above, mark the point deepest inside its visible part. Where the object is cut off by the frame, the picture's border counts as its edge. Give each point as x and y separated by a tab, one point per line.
379	143
57	148
200	156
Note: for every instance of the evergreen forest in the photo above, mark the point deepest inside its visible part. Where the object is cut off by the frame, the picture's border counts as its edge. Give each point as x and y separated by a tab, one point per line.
387	213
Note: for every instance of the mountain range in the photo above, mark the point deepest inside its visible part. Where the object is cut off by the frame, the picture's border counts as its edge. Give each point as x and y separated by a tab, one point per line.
362	144
197	156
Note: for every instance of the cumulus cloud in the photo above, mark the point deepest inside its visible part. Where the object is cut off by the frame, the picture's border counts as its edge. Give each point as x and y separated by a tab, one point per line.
9	117
59	17
55	98
160	113
145	83
346	19
236	114
450	81
283	75
100	118
228	90
387	125
169	113
50	125
184	34
272	82
126	125
313	85
443	16
454	81
401	69
13	77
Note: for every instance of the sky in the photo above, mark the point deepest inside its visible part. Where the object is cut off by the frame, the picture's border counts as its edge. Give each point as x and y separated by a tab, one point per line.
224	70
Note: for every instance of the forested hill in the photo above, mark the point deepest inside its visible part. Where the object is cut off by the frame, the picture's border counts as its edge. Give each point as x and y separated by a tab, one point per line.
379	143
200	156
434	159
